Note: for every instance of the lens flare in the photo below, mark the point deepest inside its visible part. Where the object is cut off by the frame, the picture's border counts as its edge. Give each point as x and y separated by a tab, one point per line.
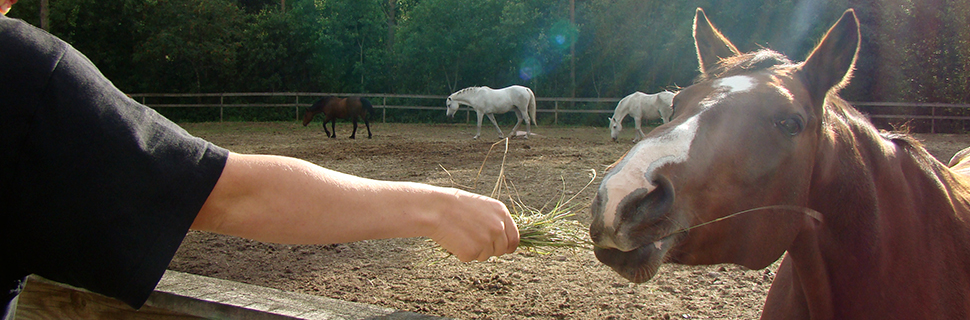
562	34
529	69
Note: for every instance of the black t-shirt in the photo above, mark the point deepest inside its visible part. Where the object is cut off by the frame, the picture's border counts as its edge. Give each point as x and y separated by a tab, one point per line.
96	190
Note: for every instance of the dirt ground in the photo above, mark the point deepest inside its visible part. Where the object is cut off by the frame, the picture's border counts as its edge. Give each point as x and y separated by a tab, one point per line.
407	274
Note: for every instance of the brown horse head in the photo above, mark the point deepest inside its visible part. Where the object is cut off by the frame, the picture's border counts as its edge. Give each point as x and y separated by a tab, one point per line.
740	136
317	107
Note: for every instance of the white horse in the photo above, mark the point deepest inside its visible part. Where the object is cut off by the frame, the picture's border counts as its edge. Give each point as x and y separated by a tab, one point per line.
488	101
640	106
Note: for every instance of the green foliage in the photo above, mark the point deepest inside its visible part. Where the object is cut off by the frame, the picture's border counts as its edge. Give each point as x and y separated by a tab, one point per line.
912	50
188	45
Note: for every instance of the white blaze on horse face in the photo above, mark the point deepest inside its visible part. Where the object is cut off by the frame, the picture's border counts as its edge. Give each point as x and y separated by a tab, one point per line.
636	169
735	84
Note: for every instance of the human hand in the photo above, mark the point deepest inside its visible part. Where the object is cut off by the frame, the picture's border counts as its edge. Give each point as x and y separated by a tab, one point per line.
5	6
475	227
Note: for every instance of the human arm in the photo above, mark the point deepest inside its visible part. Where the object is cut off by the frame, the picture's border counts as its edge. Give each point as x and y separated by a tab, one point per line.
287	200
5	5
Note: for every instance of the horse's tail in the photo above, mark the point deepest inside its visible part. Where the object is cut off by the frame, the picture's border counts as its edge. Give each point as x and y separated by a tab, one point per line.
367	106
532	107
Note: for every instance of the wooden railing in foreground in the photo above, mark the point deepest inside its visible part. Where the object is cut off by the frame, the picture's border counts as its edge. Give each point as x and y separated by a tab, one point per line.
187	296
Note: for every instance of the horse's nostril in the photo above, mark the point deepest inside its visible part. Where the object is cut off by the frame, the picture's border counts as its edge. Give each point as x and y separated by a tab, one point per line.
660	199
647	207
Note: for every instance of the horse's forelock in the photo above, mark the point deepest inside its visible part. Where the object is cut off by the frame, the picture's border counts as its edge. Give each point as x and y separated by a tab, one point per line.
745	63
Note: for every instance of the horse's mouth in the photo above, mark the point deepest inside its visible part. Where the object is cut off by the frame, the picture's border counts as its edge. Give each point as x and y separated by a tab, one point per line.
638	265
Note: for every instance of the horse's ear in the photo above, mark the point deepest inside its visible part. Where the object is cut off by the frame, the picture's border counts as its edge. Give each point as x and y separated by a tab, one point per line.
711	45
829	67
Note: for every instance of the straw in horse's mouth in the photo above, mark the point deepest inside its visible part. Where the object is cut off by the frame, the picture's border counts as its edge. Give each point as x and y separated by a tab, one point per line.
799	209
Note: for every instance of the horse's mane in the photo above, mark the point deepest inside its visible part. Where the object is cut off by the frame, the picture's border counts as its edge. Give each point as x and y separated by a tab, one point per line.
859	124
465	90
320	103
744	63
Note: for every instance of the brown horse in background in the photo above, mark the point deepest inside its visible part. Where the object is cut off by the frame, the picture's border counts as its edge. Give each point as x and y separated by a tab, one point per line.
762	158
340	108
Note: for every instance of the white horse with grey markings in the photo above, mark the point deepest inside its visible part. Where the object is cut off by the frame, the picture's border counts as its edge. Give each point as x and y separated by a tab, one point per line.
641	106
488	101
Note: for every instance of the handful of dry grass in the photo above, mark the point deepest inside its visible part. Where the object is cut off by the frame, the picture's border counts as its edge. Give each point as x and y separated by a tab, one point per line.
541	231
547	228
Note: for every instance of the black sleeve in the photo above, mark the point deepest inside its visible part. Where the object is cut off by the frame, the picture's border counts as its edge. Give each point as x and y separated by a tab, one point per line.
97	190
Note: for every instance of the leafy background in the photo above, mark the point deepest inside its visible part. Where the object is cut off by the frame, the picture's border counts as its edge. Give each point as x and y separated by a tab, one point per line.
913	51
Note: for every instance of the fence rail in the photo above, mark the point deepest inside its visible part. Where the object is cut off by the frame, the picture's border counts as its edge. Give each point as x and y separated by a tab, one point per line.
309	97
556	106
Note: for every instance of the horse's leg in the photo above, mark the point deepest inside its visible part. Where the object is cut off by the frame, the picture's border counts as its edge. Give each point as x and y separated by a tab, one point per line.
367	124
479	131
492	117
528	121
518	116
333	127
528	127
639	135
353	135
325	120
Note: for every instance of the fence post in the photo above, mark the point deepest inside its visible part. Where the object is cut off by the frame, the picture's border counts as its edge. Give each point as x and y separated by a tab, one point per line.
556	113
297	108
220	106
933	119
384	109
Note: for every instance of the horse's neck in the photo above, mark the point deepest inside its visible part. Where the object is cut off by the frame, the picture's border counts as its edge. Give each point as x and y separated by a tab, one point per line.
869	171
890	210
622	111
469	97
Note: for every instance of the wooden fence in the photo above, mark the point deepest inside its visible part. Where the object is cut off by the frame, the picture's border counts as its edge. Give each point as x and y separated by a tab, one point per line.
886	112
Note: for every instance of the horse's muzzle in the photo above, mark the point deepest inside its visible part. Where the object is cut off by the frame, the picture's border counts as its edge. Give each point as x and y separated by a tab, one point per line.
638	266
635	242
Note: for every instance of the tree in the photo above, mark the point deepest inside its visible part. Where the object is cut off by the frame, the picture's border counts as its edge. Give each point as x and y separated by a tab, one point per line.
446	45
188	45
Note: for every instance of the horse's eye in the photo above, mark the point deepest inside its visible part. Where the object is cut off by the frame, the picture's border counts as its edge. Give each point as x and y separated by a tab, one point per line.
791	125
